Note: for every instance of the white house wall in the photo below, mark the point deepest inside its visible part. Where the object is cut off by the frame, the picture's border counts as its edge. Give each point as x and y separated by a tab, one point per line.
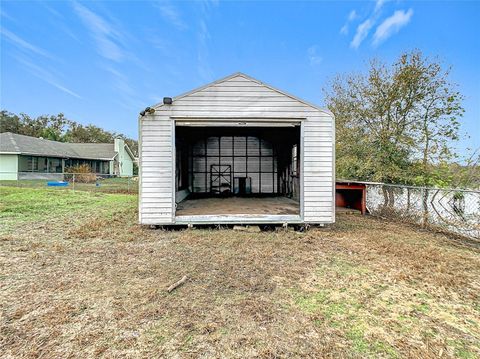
230	100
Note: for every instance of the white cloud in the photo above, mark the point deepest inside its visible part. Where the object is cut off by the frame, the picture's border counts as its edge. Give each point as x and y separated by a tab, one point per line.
392	25
379	4
171	14
211	2
160	43
126	94
203	35
46	76
362	32
204	69
351	17
364	28
24	45
107	38
314	58
120	82
52	10
6	16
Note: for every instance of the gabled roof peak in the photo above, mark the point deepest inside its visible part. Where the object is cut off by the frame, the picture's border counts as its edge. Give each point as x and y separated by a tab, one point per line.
248	77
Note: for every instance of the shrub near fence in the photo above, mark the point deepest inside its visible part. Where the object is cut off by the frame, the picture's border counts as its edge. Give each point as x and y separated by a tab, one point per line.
80	174
454	210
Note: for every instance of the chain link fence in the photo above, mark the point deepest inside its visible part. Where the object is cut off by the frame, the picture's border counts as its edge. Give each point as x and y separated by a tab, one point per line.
71	181
453	210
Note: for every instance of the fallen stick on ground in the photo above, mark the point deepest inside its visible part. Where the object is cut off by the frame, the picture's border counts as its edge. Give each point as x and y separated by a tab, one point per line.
177	284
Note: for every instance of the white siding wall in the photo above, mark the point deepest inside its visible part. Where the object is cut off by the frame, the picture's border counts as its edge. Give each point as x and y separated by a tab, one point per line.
238	97
156	170
318	169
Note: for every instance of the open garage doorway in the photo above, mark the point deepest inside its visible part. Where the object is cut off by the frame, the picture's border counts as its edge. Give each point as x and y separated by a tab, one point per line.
237	170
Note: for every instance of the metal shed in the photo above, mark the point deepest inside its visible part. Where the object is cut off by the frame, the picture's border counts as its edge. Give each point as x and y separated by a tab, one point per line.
236	151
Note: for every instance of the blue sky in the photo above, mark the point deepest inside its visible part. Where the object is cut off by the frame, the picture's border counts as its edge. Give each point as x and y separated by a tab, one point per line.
103	62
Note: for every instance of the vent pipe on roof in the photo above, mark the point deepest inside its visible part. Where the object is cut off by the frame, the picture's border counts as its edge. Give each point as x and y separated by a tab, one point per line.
167	100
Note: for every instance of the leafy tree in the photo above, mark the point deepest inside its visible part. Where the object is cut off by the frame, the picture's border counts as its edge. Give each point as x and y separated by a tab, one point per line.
58	128
467	175
89	133
438	109
395	123
10	122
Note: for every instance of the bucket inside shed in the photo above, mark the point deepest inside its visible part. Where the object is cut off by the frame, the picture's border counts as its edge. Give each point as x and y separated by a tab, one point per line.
237	170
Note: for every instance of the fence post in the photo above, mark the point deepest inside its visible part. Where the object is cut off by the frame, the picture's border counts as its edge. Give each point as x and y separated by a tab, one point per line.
425	207
408	200
73	182
385	197
128	184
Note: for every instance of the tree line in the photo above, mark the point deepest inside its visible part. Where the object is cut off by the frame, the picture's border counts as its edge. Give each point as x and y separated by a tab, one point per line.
399	123
59	128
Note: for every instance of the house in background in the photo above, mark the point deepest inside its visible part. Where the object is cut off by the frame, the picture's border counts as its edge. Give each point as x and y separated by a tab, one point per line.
25	157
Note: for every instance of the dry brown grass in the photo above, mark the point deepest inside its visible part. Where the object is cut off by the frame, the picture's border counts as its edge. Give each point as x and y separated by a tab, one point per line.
364	287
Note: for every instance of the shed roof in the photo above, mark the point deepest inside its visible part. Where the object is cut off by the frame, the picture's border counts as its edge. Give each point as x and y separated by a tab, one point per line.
20	144
240	74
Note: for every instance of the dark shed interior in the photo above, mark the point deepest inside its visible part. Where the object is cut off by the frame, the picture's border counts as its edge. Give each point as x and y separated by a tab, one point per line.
219	165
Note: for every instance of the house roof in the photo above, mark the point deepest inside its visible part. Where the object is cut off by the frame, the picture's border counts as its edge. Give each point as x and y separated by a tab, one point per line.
94	150
20	144
236	74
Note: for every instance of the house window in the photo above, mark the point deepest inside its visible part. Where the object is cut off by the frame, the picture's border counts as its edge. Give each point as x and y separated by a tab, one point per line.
54	165
32	164
41	164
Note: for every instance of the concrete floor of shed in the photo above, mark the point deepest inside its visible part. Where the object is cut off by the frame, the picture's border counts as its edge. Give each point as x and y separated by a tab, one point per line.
238	205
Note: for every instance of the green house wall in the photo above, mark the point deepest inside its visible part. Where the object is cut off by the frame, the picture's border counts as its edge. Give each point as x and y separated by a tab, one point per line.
125	161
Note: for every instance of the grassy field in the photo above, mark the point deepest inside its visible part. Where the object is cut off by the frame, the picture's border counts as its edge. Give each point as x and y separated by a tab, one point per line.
79	278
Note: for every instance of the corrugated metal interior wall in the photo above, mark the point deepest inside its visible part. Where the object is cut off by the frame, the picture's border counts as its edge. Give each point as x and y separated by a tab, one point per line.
238	161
